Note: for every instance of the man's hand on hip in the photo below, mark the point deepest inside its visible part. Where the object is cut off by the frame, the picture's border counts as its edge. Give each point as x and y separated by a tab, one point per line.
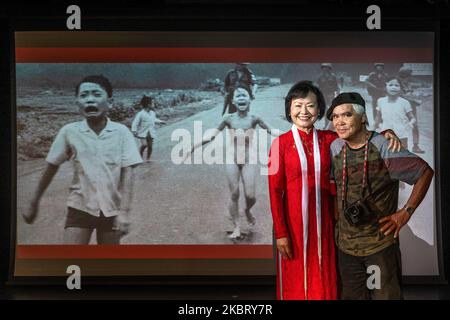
394	222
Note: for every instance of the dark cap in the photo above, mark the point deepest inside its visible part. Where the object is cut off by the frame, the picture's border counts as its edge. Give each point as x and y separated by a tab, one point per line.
344	98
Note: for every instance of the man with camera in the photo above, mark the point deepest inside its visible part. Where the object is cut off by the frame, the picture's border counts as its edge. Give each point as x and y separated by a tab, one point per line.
367	178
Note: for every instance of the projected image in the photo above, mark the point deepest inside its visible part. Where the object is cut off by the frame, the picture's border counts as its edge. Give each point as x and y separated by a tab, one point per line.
152	158
209	196
168	108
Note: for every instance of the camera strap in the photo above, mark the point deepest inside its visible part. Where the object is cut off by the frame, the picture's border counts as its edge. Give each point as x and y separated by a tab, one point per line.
345	174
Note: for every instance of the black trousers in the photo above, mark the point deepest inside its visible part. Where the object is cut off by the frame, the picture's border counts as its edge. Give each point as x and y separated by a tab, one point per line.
354	275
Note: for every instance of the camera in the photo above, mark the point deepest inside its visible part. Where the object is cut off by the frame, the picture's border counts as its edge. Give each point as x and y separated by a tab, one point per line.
359	214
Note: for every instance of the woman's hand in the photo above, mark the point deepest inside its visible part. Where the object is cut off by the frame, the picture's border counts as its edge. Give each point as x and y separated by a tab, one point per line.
285	248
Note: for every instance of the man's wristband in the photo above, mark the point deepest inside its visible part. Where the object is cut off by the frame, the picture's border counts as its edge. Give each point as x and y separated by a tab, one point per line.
409	209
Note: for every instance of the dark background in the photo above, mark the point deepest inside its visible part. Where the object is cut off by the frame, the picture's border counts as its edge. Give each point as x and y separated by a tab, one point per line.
244	15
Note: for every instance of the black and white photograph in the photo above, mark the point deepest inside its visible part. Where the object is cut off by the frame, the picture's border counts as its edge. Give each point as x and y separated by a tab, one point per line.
170	108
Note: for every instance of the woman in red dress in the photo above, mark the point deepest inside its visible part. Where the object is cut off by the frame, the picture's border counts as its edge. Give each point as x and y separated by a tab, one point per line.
301	199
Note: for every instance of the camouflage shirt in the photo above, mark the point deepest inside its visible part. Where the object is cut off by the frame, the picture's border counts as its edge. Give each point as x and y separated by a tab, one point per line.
384	171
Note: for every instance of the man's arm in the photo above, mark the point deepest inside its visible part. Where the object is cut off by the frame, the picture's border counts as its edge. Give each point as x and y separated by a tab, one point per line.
397	220
47	177
226	83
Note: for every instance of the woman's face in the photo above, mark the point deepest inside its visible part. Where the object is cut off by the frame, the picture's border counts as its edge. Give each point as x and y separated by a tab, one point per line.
304	111
393	87
241	99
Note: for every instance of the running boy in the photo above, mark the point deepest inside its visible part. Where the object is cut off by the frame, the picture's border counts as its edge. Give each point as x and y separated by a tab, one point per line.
104	155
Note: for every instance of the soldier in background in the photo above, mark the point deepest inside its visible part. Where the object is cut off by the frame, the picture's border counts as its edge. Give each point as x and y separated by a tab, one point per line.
328	84
376	85
240	76
405	74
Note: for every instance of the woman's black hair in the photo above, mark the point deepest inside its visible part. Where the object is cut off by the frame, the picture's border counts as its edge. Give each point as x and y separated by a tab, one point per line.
301	90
